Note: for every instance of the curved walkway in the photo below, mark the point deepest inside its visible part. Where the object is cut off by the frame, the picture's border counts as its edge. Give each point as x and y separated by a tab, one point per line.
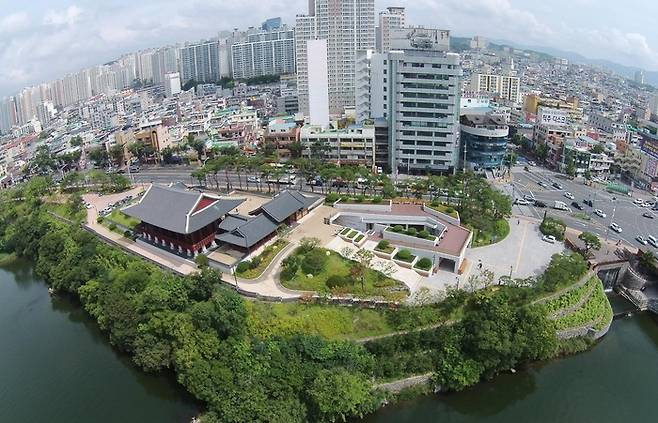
267	284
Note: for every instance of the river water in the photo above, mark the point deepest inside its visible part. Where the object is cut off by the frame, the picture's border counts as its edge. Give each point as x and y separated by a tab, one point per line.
616	381
57	367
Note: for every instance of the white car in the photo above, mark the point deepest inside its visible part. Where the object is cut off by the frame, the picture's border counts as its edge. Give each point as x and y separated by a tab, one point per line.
549	238
529	197
254	179
532	163
521	202
599	213
569	195
615	227
647	204
106	210
542	184
638	201
88	206
641	240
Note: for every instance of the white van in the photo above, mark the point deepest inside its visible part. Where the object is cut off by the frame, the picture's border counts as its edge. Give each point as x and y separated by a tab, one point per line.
653	241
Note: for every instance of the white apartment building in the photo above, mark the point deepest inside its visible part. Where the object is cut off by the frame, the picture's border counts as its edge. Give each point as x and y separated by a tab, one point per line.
507	87
391	18
200	62
352	145
348	26
417	91
264	53
172	84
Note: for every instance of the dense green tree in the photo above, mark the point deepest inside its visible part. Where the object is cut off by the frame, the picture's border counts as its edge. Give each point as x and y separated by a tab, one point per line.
338	394
100	157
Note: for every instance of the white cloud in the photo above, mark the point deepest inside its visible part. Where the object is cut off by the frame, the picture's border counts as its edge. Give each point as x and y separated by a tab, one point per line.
14	23
68	16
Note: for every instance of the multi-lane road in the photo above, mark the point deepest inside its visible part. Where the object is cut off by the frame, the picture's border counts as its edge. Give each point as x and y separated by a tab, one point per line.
626	214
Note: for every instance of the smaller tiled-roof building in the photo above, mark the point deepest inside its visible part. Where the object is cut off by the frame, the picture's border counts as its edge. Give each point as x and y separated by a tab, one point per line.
178	219
287	207
249	232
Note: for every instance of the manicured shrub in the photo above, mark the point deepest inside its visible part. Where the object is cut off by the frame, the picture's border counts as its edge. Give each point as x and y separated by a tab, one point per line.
112	226
383	245
435	203
359	199
255	262
99	219
398	228
404	255
376	199
424	234
450	210
243	266
127	234
424	263
412	231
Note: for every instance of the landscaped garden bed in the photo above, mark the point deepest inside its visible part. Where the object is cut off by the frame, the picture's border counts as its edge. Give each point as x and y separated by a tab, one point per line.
442	208
405	259
385	250
252	269
424	266
423	234
360	239
311	268
553	226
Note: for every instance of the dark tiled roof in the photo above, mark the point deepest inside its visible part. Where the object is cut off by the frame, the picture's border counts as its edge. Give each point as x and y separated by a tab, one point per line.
250	232
285	204
232	221
172	208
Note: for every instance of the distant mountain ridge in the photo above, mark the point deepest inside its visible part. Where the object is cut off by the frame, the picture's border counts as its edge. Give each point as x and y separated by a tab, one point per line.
650	77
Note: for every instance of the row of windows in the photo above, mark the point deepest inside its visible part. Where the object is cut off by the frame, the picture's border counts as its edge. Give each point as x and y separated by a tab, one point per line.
425	115
428	76
424	134
425	105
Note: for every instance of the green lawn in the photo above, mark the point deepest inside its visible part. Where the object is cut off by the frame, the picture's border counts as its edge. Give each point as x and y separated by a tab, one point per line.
120	218
376	284
482	238
337	322
64	211
266	258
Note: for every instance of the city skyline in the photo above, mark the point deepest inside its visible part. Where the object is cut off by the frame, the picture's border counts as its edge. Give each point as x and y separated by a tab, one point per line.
45	40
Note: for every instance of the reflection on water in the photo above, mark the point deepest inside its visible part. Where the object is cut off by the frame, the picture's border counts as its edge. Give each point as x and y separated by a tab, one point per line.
56	366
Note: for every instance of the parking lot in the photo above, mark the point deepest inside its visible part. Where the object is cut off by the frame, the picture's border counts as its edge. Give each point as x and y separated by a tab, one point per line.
617	208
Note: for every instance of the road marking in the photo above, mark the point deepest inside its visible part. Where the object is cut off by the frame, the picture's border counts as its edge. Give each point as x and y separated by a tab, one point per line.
518	257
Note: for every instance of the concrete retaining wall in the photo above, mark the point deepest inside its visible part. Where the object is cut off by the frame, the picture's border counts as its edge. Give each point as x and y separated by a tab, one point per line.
442	216
394	236
384	207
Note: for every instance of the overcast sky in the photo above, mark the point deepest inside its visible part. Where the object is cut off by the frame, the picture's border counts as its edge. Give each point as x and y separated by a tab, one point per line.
42	40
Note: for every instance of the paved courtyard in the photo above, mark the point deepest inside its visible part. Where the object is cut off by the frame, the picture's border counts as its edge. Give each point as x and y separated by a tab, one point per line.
523	253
